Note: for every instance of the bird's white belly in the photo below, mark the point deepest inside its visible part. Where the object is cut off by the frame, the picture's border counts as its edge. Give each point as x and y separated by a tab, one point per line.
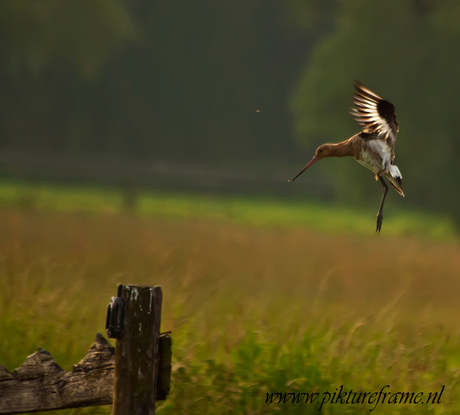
375	156
370	162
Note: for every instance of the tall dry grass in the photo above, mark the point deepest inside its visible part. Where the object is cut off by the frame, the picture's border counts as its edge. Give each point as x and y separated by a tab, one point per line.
252	309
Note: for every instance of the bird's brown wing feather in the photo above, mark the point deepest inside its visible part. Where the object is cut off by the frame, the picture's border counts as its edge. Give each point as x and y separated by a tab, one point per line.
375	115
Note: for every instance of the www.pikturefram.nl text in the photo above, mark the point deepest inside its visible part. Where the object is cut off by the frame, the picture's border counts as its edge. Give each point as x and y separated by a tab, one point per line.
344	397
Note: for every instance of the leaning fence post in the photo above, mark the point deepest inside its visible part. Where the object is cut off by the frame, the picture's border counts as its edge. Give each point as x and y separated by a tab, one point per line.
137	351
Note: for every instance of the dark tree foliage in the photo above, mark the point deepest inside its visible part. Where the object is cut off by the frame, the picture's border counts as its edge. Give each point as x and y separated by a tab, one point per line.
175	80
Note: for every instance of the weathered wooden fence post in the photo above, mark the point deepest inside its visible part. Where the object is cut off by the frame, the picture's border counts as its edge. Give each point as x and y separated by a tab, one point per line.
137	351
131	377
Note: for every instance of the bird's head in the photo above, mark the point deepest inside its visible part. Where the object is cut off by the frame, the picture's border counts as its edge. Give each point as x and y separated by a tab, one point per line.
323	151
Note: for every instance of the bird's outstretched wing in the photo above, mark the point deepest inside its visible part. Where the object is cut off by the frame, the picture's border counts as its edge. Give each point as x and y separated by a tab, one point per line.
375	115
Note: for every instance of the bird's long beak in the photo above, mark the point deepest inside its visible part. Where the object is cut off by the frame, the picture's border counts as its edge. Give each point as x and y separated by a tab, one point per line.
313	160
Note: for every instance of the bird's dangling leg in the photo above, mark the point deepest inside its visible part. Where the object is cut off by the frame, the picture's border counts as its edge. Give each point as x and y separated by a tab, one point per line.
380	214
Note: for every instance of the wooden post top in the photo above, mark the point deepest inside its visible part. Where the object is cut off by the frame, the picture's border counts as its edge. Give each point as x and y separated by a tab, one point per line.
137	351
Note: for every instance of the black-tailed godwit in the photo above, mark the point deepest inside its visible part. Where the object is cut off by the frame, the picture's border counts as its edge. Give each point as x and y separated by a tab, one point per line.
374	147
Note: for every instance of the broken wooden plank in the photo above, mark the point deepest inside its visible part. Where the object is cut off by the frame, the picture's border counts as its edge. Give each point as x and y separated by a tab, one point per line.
5	373
41	385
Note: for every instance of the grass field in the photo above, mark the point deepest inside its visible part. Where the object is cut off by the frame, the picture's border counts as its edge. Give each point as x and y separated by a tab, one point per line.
260	298
238	210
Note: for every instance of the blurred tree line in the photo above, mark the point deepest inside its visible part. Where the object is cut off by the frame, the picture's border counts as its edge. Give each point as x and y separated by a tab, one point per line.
174	80
228	82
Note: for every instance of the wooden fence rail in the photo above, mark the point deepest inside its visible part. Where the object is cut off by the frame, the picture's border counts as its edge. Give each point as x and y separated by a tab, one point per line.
131	376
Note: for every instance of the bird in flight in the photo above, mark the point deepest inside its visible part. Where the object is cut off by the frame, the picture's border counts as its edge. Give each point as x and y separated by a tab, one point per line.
374	146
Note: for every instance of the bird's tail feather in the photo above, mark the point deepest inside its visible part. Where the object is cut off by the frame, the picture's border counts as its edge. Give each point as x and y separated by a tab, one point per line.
395	177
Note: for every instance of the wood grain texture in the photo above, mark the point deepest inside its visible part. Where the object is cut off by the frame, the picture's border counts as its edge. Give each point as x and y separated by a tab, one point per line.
41	385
